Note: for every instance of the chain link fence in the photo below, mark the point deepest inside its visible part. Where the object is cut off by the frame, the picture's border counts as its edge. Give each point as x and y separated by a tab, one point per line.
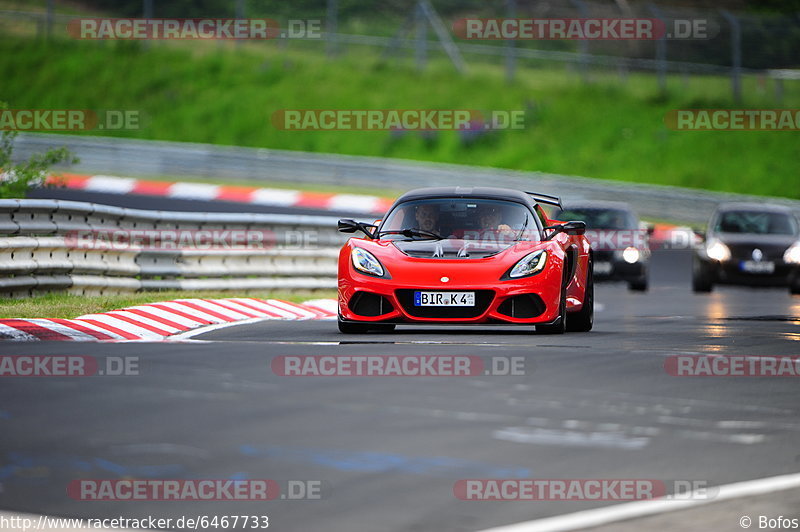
737	44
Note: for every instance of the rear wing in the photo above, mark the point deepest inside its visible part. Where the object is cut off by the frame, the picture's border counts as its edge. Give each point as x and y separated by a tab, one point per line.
546	198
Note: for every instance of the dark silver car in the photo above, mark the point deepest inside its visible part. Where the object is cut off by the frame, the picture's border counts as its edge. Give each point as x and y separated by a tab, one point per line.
753	244
620	241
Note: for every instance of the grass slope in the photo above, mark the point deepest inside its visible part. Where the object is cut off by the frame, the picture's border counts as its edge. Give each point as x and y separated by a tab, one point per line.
203	92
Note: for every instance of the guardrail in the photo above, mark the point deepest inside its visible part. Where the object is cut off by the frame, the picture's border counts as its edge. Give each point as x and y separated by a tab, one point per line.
88	249
156	158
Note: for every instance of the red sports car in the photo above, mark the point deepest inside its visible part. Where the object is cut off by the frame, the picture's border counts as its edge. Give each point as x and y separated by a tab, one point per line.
462	255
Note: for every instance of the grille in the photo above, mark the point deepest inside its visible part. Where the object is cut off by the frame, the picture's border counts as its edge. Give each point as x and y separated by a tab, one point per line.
522	306
369	304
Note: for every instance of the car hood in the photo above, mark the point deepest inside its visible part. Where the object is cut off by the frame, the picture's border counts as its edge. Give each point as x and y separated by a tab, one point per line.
451	248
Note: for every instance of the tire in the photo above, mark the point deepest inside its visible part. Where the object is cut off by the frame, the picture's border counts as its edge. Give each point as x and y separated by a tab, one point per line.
348	327
794	288
560	325
583	320
701	281
640	285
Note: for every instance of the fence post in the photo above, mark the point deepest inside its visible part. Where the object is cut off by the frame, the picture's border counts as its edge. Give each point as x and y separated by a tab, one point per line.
583	46
736	54
661	51
50	15
147	12
239	15
332	27
511	45
421	46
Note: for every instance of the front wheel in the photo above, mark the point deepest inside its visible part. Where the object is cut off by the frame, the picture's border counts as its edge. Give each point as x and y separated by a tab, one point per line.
583	320
560	325
701	278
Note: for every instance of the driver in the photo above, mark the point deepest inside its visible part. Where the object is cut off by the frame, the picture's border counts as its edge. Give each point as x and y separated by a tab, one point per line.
489	218
427	216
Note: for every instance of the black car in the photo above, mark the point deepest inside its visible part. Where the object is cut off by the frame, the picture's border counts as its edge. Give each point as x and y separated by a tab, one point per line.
751	244
620	241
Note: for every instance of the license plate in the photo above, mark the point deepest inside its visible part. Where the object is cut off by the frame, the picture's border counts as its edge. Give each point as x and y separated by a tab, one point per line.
603	268
751	266
444	299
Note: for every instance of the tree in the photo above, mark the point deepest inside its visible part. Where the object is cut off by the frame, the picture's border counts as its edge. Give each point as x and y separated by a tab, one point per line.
17	178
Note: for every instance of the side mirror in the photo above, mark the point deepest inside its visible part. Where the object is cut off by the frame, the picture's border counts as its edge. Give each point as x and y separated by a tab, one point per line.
376	223
571	228
574	228
347	225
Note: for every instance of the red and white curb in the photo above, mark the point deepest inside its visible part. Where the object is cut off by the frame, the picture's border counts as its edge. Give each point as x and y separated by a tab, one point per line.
165	320
360	203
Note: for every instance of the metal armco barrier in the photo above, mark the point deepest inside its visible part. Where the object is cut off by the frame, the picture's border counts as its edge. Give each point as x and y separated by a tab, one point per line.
126	157
86	248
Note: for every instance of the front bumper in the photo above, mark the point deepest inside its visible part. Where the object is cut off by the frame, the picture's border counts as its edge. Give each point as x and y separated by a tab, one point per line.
730	272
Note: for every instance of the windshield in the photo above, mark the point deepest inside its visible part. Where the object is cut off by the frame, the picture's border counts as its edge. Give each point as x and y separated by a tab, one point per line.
600	218
759	223
461	218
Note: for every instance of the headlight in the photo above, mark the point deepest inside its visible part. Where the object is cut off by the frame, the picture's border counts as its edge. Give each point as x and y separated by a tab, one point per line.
529	264
631	255
718	251
365	262
792	255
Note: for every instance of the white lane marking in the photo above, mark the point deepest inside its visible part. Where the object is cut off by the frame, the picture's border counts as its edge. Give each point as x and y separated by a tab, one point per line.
353	202
16	335
267	310
180	320
124	325
209	328
232	315
326	305
621	512
200	191
539	436
144	321
299	312
274	196
238	307
75	334
181	307
99	329
107	183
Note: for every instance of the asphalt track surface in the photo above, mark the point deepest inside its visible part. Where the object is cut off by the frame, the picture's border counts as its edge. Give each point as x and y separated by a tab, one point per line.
389	450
